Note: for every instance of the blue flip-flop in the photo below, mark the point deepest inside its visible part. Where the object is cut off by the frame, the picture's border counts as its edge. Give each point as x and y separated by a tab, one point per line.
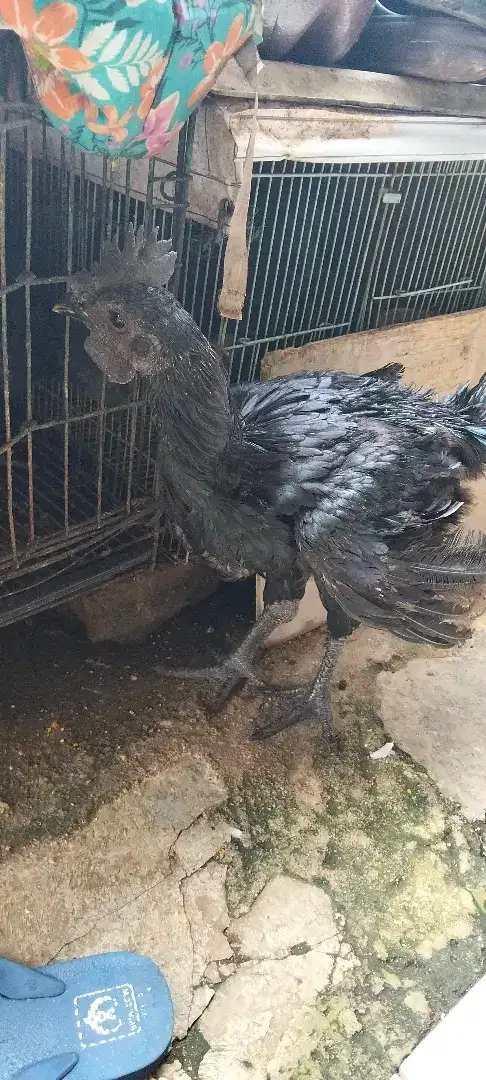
98	1018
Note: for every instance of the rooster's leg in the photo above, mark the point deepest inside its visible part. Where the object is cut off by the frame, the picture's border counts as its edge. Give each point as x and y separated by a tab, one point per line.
238	667
313	701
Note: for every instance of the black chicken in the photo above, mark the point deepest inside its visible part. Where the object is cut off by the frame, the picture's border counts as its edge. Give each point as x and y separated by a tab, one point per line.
356	480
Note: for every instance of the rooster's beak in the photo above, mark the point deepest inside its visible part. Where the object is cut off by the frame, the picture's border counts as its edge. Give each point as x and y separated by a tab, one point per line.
72	309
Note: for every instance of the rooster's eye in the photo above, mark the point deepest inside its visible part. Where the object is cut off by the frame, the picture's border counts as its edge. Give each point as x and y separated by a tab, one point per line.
117	320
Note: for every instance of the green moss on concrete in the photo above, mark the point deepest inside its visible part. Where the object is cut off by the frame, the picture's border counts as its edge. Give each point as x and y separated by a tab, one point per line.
407	879
276	837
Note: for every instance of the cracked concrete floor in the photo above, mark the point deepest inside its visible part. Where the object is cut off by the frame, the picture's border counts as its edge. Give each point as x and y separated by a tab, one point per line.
314	912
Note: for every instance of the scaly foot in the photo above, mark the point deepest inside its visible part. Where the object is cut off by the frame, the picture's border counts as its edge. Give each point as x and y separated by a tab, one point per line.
299	705
222	679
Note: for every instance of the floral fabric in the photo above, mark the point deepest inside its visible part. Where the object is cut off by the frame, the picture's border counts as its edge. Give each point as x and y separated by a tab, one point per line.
120	77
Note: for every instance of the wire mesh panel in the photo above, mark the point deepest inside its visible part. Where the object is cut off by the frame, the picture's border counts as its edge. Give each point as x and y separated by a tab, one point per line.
429	254
79	497
340	248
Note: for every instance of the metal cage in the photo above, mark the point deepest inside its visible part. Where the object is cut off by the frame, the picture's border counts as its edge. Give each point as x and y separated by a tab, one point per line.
79	499
338	248
333	249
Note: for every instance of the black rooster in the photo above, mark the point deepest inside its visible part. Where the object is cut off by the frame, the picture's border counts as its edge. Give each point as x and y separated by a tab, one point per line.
356	480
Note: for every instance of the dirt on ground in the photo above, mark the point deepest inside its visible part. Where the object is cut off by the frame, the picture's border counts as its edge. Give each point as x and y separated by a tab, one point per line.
79	722
331	892
74	717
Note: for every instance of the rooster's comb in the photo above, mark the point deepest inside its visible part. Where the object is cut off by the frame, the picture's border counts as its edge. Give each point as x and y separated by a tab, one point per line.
145	260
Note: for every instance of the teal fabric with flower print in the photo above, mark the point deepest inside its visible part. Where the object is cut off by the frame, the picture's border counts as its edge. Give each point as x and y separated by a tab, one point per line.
121	77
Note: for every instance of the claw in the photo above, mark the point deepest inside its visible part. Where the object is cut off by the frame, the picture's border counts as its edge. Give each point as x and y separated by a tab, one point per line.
224	679
209	674
188	674
273	690
296	706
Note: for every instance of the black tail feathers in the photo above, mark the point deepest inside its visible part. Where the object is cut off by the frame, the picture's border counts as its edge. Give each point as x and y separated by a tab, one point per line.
389	373
461	561
469	406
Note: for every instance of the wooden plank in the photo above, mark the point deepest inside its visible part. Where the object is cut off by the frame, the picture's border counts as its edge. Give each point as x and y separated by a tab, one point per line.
322	134
302	84
232	83
438	353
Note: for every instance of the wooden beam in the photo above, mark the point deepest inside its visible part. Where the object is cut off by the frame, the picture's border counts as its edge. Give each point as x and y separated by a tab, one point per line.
438	353
301	84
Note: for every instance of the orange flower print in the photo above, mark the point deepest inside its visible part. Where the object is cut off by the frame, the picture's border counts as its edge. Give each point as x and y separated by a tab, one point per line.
43	35
45	32
114	126
56	95
148	88
216	57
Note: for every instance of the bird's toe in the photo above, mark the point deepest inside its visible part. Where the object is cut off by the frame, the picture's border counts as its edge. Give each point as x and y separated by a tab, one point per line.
286	708
222	681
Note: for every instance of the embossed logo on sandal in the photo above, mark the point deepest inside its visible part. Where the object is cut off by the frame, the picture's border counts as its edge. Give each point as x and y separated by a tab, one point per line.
107	1015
